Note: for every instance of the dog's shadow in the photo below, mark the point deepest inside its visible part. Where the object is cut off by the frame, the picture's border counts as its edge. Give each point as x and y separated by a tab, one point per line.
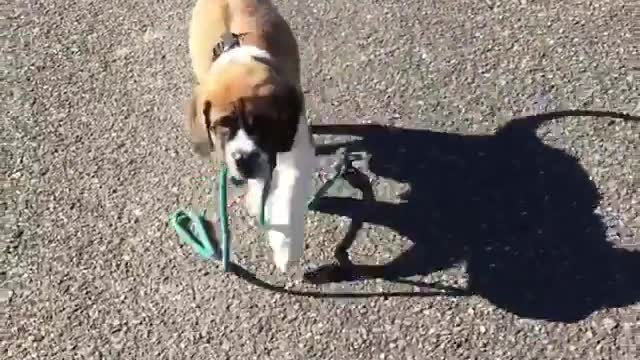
519	213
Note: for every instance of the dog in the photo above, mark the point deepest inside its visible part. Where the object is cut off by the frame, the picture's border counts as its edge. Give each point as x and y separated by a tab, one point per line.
247	111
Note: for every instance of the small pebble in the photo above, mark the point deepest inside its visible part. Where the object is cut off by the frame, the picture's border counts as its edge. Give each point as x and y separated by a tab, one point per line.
5	295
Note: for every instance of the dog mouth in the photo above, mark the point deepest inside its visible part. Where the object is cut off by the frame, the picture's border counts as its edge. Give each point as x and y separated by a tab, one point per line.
239	176
237	181
246	165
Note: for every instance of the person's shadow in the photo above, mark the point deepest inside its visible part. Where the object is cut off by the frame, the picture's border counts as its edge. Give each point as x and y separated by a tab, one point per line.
519	213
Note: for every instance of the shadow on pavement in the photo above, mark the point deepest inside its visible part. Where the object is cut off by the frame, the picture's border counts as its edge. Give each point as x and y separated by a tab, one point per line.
434	289
519	213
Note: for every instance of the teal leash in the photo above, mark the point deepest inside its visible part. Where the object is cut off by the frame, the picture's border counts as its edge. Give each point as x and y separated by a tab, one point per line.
192	228
182	221
224	219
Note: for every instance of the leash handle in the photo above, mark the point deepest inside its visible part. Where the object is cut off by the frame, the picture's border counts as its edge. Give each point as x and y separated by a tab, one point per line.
198	239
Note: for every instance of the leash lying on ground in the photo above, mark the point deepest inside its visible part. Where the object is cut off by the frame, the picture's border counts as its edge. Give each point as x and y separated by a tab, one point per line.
199	238
192	228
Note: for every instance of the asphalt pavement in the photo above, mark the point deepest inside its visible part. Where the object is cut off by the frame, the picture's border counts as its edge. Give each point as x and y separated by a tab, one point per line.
496	232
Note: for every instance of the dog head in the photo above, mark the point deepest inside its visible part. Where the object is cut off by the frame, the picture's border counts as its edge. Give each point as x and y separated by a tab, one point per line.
244	113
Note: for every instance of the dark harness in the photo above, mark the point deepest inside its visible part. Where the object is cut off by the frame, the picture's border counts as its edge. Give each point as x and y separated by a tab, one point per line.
229	41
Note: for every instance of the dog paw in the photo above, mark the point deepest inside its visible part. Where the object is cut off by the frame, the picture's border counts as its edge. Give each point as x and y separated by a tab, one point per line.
252	204
285	251
281	261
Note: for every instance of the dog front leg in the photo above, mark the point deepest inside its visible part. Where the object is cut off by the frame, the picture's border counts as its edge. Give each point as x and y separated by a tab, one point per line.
288	206
253	199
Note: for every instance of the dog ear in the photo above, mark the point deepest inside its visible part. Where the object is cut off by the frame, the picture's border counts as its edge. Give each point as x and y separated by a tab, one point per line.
290	104
197	125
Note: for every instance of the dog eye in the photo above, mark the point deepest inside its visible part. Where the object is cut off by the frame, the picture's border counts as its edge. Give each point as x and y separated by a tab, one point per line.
226	126
221	130
250	123
226	122
260	121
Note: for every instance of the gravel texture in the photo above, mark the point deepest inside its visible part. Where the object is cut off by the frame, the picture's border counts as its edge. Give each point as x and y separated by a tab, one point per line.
531	228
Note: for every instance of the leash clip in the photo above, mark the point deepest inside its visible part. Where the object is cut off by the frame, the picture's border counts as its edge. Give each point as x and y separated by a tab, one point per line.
229	41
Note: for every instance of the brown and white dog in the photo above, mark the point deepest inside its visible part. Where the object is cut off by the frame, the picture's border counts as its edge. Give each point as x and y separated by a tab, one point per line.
247	111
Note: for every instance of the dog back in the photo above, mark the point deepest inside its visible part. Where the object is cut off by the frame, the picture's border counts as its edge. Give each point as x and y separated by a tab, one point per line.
260	23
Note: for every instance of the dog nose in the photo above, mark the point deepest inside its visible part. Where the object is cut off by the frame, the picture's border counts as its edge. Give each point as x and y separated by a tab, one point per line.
246	162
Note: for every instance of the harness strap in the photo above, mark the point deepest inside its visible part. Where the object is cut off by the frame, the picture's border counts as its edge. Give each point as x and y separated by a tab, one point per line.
228	42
